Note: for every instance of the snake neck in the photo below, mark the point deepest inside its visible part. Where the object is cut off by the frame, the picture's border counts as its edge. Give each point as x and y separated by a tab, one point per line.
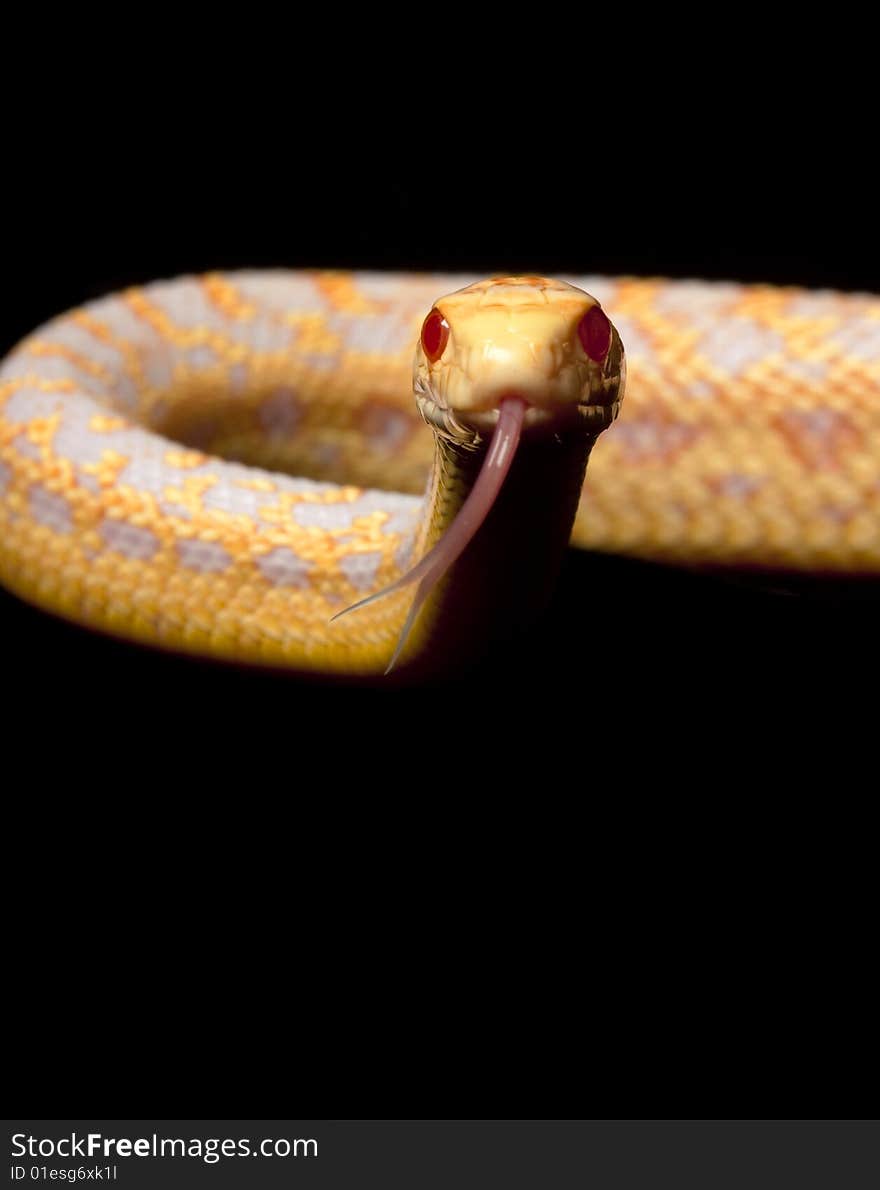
506	575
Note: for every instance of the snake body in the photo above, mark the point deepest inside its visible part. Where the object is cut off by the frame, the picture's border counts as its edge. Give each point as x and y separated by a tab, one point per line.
220	464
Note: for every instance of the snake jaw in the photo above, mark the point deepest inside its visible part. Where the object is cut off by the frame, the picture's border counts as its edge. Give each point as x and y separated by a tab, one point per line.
472	429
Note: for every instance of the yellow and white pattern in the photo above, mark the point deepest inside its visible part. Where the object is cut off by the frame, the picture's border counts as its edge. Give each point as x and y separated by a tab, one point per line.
750	436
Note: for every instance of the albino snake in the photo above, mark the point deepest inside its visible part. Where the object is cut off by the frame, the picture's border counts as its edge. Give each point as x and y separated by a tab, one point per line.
751	437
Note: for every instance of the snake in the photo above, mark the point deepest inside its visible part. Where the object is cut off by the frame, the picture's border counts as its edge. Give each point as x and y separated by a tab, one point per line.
233	465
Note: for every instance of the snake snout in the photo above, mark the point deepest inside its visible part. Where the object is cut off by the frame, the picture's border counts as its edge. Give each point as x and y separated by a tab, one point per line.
539	387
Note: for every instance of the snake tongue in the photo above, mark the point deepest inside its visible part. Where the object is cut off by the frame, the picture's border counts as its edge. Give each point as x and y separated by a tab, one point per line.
482	496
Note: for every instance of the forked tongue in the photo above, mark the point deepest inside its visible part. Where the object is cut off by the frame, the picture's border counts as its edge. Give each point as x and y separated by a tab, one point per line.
471	516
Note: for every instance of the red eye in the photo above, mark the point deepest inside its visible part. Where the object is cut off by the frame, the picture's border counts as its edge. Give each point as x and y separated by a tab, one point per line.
594	331
435	335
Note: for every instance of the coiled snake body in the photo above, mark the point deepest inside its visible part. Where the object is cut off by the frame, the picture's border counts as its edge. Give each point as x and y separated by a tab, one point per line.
221	464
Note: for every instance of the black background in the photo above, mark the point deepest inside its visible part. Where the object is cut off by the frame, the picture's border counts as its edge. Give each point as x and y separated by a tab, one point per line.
626	865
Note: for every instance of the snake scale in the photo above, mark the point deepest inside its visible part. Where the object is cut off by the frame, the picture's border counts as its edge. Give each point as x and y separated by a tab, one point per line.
221	464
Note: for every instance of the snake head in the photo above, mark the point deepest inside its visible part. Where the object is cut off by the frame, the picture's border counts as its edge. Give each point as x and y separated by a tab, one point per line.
545	342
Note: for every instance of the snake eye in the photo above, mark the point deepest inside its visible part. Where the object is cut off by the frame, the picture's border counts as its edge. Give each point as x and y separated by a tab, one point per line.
594	332
435	335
